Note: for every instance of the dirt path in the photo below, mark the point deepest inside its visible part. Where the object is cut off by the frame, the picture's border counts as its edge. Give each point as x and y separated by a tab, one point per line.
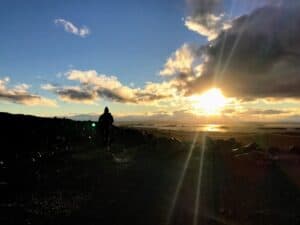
144	191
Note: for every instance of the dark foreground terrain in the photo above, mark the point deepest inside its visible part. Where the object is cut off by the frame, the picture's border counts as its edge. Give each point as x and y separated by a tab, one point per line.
54	171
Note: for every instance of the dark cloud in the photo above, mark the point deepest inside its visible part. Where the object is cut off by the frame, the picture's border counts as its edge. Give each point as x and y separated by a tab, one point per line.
205	17
76	94
150	97
114	95
139	96
265	112
72	93
21	98
257	57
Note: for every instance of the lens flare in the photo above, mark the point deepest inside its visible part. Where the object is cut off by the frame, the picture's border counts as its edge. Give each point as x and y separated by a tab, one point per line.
180	180
210	103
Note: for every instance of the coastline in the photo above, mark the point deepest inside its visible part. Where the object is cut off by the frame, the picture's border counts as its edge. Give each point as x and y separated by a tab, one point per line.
266	139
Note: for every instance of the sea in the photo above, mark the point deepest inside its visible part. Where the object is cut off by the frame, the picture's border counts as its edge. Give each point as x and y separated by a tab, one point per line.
210	127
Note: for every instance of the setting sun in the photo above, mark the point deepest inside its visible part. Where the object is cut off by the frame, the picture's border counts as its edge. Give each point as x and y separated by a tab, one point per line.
210	102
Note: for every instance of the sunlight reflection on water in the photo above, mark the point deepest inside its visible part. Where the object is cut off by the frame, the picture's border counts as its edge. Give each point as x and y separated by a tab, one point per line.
213	128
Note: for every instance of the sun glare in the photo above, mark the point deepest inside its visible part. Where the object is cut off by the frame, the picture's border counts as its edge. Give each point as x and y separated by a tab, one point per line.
211	102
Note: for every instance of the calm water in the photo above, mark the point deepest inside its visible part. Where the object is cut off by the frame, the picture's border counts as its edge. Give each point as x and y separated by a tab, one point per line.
244	127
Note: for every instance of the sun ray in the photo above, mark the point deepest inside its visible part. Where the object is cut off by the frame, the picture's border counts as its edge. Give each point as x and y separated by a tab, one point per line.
199	179
181	178
228	60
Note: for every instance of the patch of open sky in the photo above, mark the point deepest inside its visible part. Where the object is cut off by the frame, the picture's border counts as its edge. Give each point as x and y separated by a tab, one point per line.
31	44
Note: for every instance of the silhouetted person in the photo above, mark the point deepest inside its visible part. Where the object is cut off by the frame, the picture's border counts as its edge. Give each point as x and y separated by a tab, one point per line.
105	126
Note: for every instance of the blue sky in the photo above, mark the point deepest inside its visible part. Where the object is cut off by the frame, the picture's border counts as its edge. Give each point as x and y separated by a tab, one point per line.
131	40
53	71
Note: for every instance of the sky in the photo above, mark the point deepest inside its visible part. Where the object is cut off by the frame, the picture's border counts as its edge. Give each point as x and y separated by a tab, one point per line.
151	59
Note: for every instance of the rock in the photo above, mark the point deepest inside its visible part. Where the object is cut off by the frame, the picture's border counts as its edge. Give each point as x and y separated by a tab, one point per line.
234	143
121	158
237	150
210	142
257	157
3	164
175	140
294	149
231	140
251	146
273	151
39	155
246	148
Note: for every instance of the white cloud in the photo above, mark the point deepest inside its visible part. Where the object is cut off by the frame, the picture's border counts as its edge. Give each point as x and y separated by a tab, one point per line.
181	61
92	86
19	94
71	28
211	29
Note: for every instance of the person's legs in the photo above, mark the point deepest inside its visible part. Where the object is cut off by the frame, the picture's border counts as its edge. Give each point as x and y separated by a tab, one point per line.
110	135
107	137
104	137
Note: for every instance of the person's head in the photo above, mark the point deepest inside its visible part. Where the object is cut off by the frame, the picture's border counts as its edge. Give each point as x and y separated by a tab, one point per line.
106	110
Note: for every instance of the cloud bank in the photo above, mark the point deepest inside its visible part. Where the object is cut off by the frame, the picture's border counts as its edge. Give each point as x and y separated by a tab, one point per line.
93	86
19	94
